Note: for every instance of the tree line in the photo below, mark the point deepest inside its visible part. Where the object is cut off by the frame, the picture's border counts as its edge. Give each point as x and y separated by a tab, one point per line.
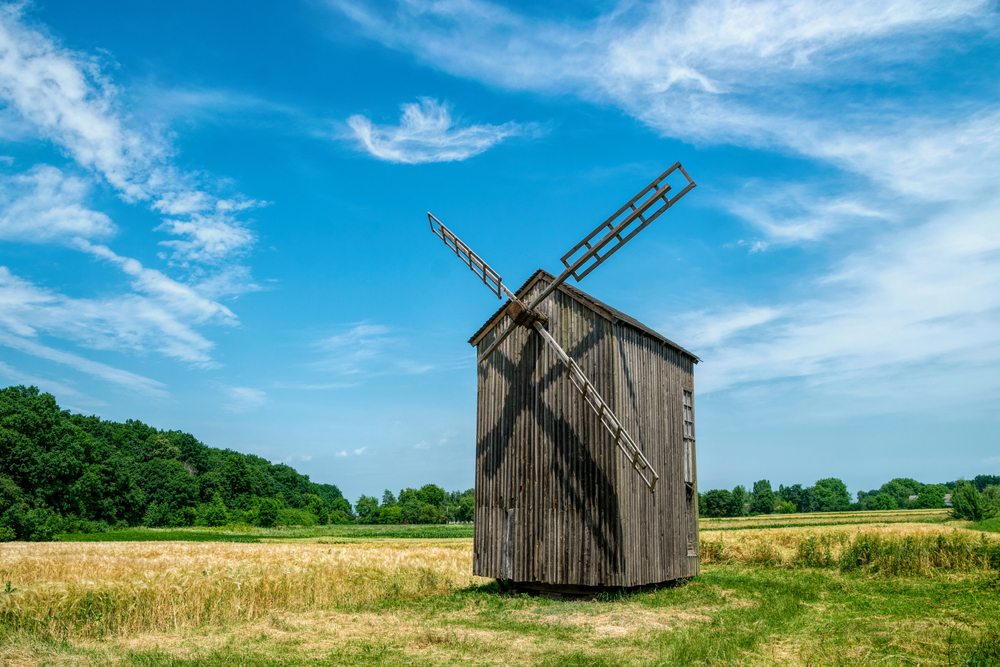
972	499
63	472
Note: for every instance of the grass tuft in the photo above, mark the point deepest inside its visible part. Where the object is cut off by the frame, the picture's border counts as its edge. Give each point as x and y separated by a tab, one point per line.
887	551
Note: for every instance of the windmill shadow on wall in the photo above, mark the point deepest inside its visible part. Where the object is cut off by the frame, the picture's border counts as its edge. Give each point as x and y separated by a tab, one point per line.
553	503
575	471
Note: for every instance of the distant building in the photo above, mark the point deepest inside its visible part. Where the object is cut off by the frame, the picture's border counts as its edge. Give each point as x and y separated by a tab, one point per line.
947	500
912	498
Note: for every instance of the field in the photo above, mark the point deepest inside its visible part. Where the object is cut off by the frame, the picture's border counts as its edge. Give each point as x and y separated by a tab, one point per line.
904	589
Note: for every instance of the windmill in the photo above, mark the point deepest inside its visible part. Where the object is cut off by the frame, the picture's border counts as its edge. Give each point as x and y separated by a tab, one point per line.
555	507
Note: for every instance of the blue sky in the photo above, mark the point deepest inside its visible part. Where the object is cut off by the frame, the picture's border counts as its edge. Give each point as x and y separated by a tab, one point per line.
212	219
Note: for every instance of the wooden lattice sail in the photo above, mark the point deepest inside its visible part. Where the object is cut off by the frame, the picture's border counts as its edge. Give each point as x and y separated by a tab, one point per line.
585	459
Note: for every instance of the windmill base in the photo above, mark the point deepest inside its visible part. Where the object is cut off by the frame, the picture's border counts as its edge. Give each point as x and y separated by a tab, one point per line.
570	590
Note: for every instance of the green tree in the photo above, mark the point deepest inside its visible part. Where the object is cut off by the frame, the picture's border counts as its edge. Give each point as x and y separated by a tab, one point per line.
762	498
237	477
169	483
786	507
466	509
391	515
901	488
430	514
214	513
831	495
388	499
267	512
967	503
740	501
431	494
160	447
932	496
156	515
10	493
882	501
410	508
182	516
982	481
366	508
315	506
717	502
795	494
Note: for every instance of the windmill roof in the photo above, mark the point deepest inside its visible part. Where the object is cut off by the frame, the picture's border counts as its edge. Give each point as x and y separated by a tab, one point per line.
596	305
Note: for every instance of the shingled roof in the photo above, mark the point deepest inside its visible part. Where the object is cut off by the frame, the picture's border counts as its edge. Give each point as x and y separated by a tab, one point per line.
597	306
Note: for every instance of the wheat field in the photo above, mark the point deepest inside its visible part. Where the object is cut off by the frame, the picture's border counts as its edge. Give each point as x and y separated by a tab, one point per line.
96	589
766	596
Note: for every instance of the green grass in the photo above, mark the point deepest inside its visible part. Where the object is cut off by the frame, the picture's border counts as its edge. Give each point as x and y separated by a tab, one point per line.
987	525
421	532
155	535
249	534
727	616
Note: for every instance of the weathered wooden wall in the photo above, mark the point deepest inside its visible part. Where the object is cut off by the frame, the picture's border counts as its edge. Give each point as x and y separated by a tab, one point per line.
556	502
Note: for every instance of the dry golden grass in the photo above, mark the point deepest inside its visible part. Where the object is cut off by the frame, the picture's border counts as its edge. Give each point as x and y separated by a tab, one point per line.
122	587
149	603
825	518
797	546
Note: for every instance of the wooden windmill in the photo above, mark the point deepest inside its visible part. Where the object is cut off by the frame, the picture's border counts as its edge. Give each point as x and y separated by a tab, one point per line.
585	458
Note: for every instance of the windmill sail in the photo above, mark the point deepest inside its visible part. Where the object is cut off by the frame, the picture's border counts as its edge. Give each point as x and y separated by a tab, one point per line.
651	202
489	277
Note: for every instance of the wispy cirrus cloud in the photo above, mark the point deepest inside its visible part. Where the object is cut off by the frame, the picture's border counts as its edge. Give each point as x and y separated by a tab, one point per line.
244	399
57	96
794	213
116	376
162	319
427	133
912	279
367	350
65	97
56	387
44	205
717	70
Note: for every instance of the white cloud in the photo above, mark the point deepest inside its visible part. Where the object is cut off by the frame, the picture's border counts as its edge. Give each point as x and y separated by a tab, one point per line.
53	94
116	376
706	329
360	451
421	445
710	70
912	279
789	213
341	453
366	350
163	320
427	133
924	295
59	389
44	205
244	399
66	98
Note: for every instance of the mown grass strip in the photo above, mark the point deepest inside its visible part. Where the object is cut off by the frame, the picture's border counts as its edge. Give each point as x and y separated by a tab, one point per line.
987	525
156	536
254	535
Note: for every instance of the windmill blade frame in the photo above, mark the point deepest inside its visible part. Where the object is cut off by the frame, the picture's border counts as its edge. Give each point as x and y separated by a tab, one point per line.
607	418
655	192
616	226
490	278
